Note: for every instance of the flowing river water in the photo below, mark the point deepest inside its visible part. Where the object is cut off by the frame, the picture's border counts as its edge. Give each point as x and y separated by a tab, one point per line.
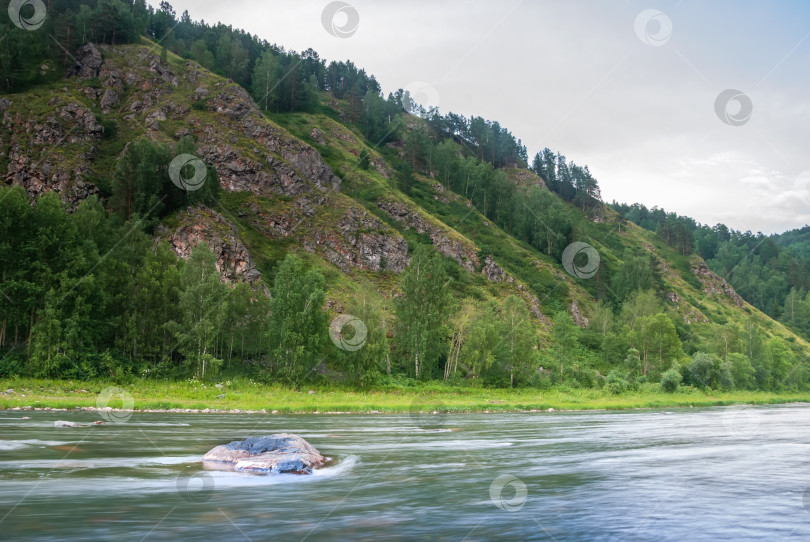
734	473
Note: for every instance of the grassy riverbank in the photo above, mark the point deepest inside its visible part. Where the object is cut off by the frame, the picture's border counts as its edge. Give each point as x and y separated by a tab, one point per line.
247	395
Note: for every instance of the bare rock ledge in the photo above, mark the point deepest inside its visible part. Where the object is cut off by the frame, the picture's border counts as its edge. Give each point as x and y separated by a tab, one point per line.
271	454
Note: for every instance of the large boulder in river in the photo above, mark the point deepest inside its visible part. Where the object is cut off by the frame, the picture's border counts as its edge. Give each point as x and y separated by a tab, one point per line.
281	453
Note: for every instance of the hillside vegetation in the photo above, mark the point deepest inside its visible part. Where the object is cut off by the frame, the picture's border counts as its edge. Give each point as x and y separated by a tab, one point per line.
216	206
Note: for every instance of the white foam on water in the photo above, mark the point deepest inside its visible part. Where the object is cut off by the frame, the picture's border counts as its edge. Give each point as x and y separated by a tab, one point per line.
342	467
9	445
438	466
155	424
99	463
224	479
427	444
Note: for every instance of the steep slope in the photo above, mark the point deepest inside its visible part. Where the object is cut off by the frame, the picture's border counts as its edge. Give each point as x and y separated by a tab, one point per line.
66	138
295	182
696	298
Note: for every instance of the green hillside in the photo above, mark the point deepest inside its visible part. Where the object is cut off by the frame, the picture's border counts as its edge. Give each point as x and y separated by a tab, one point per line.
432	232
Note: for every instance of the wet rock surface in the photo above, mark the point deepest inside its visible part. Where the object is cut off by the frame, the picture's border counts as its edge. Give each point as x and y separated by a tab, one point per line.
270	454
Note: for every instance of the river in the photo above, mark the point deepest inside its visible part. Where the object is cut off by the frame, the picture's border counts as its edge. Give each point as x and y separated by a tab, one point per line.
734	473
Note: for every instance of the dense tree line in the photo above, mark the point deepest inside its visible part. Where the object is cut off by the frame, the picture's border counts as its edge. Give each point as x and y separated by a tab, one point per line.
88	294
529	213
571	182
30	57
486	140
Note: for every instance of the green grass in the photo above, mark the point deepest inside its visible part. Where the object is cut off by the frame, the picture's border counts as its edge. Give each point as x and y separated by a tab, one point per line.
248	395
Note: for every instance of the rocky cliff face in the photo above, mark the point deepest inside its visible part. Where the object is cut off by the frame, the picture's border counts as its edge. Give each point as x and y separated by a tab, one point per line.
281	165
55	150
30	140
493	272
355	240
134	88
465	255
361	245
201	225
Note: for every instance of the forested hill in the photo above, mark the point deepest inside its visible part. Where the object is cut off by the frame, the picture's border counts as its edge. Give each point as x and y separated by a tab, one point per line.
189	201
771	272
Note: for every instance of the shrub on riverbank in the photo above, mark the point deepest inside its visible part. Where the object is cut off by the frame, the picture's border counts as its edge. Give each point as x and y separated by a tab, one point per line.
670	381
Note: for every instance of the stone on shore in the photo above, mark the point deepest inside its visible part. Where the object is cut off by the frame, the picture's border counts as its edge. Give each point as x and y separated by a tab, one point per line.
276	454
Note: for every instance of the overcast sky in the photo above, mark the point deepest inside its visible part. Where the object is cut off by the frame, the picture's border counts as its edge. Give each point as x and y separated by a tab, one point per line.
627	87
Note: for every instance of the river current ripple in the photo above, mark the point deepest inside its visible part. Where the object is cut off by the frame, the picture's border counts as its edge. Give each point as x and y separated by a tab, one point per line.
727	473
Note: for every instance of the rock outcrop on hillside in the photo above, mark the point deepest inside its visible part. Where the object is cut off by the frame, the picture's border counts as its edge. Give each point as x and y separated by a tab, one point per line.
526	178
576	315
689	313
291	168
248	152
201	225
534	305
712	284
87	62
442	241
31	163
494	272
358	240
361	245
465	255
